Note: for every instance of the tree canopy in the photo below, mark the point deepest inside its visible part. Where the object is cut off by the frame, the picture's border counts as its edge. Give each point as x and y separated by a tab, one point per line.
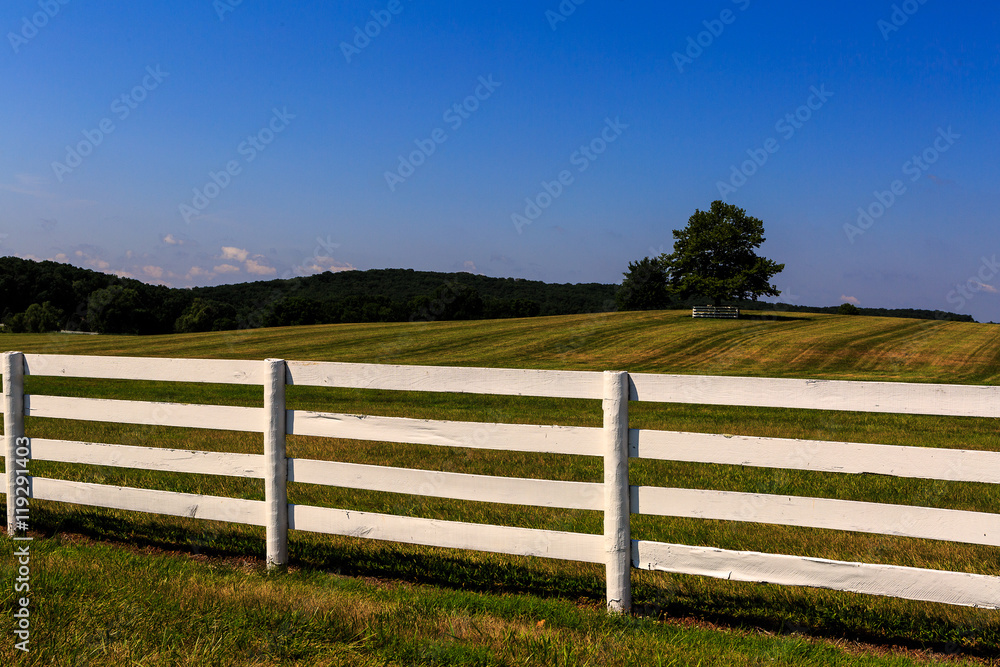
644	286
47	296
714	257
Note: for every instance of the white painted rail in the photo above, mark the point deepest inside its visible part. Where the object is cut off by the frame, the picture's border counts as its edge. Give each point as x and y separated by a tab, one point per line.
957	465
456	486
220	371
497	381
959	588
473	435
892	397
234	510
149	458
222	417
450	534
615	443
902	520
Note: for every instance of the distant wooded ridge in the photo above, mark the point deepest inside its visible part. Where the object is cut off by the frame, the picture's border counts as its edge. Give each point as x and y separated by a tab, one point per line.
48	296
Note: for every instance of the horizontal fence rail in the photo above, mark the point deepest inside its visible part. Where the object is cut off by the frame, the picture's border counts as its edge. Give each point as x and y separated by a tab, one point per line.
496	381
220	417
235	510
219	371
450	534
848	395
971	590
476	435
149	458
615	442
957	465
901	520
455	486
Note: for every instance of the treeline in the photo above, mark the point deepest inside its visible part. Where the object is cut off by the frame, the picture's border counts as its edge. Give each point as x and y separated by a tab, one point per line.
911	313
48	296
646	286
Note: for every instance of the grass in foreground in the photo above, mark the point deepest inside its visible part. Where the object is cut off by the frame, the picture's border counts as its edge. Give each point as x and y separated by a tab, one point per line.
105	604
103	584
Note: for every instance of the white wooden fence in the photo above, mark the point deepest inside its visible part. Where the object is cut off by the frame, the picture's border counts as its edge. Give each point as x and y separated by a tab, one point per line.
615	442
716	312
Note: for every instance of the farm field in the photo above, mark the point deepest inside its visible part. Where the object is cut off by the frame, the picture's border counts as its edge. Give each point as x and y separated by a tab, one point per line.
119	587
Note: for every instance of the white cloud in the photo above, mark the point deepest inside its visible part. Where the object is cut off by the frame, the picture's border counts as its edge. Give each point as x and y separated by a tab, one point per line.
256	268
170	239
983	287
321	265
61	257
92	261
229	252
850	299
469	266
198	272
153	271
226	268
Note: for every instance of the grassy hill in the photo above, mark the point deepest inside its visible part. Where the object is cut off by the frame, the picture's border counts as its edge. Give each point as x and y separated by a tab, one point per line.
119	587
762	344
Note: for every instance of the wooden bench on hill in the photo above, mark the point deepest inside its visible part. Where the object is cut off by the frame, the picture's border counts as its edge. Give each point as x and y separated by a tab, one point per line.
716	312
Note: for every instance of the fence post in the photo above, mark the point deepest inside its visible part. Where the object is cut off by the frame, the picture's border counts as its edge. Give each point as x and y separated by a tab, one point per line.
276	465
617	532
12	368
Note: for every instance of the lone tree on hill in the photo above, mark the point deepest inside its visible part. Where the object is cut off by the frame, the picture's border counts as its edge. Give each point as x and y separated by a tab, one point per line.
714	257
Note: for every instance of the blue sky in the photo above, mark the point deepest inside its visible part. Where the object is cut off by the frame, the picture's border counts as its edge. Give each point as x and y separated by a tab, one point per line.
545	140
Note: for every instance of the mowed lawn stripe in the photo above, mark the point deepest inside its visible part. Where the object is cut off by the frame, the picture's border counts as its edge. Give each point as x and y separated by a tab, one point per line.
770	345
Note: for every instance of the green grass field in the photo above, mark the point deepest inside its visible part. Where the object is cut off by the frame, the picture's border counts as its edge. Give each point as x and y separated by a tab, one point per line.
117	587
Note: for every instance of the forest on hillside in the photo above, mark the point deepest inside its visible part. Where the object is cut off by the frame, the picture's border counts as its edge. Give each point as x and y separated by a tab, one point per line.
50	296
